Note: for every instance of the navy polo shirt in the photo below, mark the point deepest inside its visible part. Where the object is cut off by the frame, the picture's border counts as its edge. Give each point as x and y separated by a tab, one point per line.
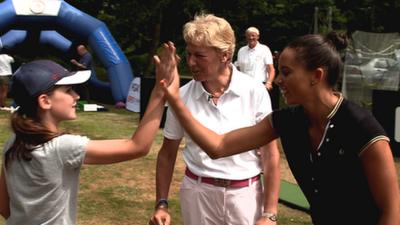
332	178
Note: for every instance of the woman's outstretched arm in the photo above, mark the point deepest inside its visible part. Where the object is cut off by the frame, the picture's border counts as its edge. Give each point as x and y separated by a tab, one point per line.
213	144
222	145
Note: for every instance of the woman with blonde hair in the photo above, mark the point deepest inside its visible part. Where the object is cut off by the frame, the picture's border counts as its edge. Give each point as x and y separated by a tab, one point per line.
228	190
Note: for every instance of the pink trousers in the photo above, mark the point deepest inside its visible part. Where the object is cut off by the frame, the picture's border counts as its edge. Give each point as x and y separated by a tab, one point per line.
206	204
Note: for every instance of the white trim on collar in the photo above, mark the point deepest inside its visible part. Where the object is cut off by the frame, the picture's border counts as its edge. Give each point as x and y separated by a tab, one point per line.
338	103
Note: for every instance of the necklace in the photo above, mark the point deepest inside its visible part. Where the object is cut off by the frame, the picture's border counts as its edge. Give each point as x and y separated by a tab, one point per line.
217	94
220	91
213	96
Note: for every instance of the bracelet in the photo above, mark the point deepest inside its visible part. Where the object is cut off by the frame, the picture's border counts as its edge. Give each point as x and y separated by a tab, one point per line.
271	216
162	204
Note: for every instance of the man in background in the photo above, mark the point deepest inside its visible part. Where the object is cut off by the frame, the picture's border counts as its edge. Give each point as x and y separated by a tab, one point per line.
255	59
85	62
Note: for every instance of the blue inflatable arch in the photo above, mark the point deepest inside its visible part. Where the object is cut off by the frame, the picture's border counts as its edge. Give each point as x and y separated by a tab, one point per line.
56	23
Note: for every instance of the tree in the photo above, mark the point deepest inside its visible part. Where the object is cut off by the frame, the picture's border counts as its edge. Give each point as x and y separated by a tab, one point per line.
140	26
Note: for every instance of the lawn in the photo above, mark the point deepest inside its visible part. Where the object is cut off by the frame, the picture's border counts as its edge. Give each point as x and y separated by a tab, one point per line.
124	193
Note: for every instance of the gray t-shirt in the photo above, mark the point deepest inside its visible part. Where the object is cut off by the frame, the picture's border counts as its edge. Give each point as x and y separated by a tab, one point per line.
44	190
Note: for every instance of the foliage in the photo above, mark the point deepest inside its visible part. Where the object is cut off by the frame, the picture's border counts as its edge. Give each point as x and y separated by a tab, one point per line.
140	26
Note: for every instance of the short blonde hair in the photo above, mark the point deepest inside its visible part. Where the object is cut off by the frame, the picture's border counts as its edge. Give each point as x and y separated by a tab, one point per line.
210	31
253	30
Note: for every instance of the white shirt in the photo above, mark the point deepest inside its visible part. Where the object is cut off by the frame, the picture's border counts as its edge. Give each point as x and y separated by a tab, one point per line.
254	61
5	64
45	189
244	103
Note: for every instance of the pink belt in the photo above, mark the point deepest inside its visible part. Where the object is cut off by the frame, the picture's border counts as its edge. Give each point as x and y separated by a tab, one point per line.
223	182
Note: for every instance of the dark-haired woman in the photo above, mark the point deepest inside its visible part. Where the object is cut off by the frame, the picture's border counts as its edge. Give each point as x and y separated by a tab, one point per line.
337	151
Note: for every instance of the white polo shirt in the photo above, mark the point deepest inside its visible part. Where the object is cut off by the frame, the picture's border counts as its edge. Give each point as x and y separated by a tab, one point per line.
254	61
244	103
5	64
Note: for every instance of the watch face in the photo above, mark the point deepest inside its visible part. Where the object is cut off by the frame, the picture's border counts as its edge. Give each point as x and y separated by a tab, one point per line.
273	218
270	216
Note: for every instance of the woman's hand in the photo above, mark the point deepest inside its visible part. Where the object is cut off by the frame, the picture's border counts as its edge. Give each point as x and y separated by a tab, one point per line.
160	217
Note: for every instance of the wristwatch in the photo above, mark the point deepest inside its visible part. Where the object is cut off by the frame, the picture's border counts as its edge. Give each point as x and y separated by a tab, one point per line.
271	216
162	204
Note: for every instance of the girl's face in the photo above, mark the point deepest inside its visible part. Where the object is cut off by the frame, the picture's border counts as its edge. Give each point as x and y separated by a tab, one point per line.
205	63
293	79
63	101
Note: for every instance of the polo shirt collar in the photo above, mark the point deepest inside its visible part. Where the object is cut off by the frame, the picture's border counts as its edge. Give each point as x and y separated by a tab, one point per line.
336	108
234	85
255	47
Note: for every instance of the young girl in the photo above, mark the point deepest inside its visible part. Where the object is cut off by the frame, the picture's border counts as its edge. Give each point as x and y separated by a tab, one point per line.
336	150
40	174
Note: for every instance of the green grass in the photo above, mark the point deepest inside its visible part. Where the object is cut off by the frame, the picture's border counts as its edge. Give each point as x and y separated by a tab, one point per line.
124	193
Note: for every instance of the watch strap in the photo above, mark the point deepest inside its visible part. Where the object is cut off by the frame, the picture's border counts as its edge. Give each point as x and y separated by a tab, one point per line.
162	204
271	216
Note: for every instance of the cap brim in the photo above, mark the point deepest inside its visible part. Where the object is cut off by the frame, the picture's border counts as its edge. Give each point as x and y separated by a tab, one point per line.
77	78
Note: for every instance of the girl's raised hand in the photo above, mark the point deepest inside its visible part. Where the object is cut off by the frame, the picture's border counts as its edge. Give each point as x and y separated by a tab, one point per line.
167	75
166	63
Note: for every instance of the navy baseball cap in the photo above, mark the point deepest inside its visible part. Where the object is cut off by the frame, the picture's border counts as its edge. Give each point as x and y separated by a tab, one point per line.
36	77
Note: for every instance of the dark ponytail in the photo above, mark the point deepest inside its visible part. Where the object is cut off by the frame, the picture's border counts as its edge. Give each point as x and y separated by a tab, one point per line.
29	133
340	41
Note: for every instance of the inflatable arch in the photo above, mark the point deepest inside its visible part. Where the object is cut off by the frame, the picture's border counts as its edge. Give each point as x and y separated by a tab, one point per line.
55	22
